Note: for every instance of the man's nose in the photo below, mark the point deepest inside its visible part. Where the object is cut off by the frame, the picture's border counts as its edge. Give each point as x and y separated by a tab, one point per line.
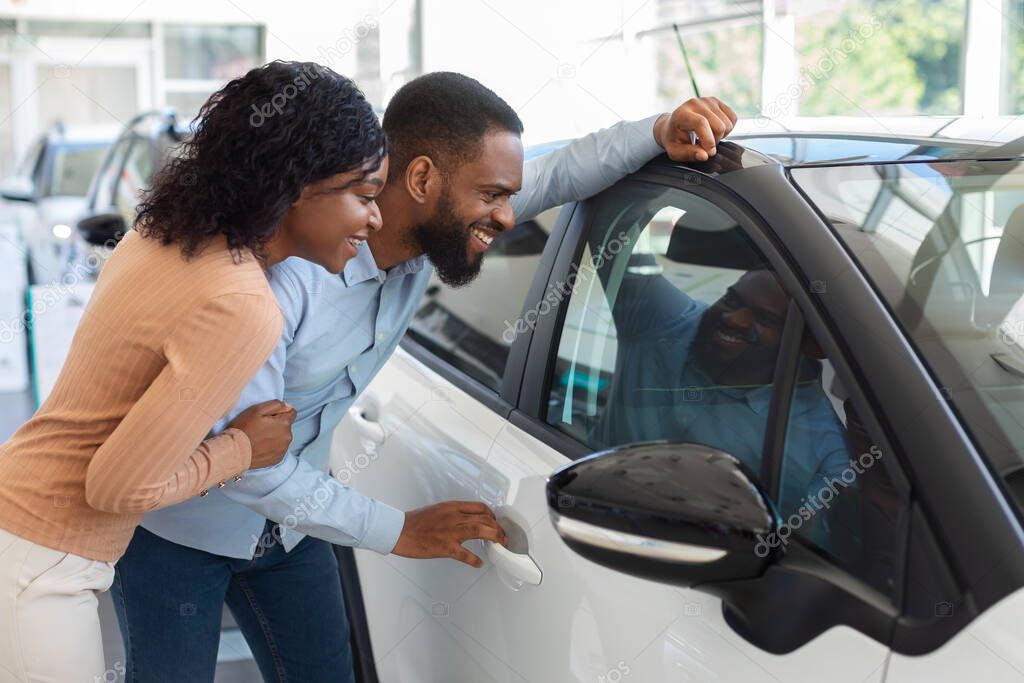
504	215
376	221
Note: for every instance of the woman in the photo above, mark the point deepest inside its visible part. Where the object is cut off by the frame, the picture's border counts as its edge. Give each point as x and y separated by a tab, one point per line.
181	317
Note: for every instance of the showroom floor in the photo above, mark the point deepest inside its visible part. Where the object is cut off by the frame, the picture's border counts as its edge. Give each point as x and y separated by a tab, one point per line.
234	661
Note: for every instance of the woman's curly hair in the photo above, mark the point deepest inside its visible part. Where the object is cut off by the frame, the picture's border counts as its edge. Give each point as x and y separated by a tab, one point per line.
258	142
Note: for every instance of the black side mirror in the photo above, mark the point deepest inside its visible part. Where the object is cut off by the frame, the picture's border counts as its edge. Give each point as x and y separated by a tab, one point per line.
102	229
684	514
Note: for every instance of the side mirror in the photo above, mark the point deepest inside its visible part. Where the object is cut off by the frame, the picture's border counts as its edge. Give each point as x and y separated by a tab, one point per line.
102	228
18	189
684	514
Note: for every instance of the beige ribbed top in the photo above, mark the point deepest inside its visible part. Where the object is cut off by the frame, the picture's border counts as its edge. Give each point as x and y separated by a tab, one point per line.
163	350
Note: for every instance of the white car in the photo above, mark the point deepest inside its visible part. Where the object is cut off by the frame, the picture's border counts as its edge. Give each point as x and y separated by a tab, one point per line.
44	199
756	419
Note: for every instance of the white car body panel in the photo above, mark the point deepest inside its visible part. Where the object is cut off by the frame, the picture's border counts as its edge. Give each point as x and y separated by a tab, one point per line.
438	620
988	649
51	255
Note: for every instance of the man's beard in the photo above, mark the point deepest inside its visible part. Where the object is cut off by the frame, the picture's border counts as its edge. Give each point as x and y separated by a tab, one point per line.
754	365
445	241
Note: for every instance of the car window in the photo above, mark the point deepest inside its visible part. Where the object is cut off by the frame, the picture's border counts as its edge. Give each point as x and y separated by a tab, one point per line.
134	179
672	328
672	332
103	197
73	168
835	489
943	243
32	163
472	328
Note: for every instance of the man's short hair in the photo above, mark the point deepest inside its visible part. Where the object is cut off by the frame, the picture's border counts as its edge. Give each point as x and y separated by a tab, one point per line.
444	116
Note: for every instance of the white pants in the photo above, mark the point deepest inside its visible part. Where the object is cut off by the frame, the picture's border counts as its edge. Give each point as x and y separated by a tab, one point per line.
49	623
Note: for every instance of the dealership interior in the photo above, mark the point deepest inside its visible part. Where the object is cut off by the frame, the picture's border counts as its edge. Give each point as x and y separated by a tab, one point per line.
96	97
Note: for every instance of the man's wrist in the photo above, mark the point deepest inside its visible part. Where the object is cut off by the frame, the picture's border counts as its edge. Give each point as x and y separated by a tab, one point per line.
657	130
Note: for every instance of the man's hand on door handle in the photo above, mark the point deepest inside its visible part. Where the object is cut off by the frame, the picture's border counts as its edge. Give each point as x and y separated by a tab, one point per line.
440	530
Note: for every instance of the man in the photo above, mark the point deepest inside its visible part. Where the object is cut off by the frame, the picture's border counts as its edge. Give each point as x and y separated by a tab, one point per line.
689	372
456	169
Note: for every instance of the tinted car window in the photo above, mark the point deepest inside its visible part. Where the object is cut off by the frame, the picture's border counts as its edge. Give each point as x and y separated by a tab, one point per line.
473	327
851	509
672	329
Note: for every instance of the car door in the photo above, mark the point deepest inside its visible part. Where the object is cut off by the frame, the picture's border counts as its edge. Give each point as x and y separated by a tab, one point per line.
415	438
595	360
544	613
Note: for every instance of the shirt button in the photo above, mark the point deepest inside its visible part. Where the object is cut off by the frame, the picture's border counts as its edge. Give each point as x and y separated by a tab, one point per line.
354	368
380	336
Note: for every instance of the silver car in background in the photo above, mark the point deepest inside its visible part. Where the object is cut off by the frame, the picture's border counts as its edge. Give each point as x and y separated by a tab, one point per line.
44	198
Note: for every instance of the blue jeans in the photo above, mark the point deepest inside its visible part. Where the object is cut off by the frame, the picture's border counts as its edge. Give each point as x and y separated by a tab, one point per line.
169	600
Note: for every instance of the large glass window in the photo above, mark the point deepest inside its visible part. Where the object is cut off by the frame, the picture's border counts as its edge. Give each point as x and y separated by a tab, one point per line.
87	94
944	244
880	57
1013	57
200	59
87	29
724	44
472	328
205	52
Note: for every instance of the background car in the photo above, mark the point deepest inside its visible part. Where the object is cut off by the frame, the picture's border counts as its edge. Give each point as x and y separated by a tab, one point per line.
142	147
46	195
899	353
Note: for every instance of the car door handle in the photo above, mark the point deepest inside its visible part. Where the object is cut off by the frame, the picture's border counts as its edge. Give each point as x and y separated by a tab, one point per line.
368	429
519	568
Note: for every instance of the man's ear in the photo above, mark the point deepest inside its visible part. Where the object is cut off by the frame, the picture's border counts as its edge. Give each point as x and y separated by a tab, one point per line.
420	176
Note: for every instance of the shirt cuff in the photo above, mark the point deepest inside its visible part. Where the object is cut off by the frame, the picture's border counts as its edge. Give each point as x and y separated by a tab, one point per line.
262	481
643	135
384	528
230	454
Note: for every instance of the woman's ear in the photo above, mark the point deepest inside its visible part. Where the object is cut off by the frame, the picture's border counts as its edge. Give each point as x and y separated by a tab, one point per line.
418	177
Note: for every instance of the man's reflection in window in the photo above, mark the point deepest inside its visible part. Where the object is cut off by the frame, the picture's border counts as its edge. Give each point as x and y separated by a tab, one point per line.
686	371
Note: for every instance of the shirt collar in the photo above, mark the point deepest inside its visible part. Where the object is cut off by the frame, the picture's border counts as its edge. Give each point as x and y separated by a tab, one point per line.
363	267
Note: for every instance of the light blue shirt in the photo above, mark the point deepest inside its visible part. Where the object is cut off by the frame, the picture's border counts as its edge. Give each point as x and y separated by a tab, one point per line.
339	331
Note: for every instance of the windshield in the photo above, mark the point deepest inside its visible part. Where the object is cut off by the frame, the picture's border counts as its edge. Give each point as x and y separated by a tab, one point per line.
73	168
943	243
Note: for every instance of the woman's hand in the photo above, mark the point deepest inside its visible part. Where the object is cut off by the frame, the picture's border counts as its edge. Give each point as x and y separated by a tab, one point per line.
269	428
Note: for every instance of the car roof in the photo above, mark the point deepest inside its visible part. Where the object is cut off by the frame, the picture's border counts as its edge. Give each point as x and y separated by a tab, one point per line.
831	140
848	141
